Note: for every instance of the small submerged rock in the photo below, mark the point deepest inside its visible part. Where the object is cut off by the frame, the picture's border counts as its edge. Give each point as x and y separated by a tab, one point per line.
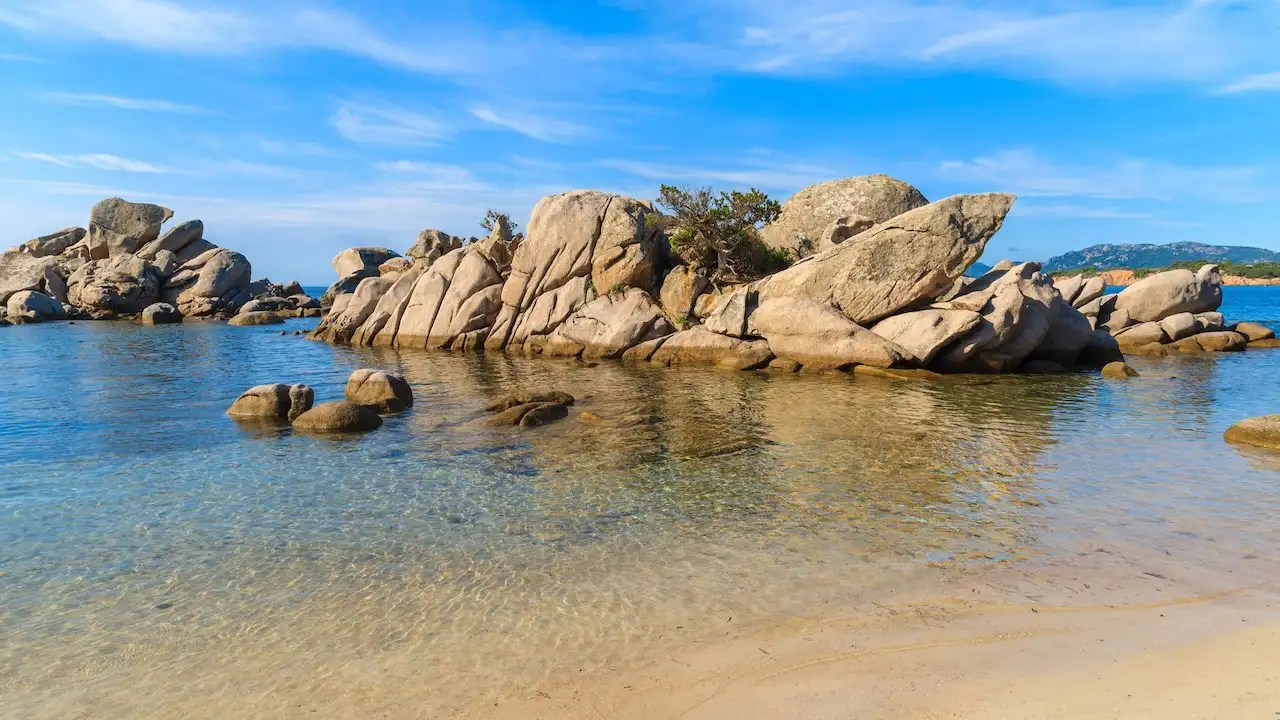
256	318
338	417
526	398
1263	432
1118	371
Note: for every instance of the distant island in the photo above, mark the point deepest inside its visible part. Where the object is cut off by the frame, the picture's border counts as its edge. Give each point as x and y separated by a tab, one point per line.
1112	257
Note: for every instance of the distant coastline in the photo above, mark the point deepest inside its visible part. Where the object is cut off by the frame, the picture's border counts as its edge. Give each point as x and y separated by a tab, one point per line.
1125	278
1233	274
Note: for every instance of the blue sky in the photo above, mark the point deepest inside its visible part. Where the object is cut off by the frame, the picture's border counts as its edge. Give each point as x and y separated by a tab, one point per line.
295	129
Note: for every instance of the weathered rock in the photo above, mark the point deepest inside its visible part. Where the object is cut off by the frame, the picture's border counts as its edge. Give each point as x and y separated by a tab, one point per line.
31	306
1179	326
354	265
160	314
1225	341
1116	321
119	285
455	301
511	400
117	227
730	315
23	271
786	365
572	236
680	290
292	288
1142	334
913	258
699	345
1118	371
395	266
1100	306
842	229
340	326
1175	291
379	390
1265	343
193	250
166	263
264	288
808	213
1069	287
612	324
1210	322
1254	331
529	414
432	245
923	334
250	319
1092	289
1263	432
817	337
338	417
215	281
53	243
273	402
895	373
390	307
177	239
1100	350
644	351
267	304
304	302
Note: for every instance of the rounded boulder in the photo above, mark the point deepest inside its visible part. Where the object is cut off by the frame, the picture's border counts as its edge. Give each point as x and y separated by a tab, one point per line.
1263	432
246	319
384	392
338	417
161	314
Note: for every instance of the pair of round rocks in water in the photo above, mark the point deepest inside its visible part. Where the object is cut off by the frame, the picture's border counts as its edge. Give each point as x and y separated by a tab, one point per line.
369	394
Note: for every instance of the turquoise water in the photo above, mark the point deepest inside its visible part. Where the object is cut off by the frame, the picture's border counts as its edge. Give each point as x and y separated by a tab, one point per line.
159	560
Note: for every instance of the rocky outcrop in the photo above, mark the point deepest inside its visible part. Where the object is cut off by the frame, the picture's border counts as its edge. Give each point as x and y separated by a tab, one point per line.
1158	296
120	285
818	214
214	282
899	264
701	346
433	245
609	326
382	391
924	333
119	227
122	264
680	290
161	314
354	265
33	307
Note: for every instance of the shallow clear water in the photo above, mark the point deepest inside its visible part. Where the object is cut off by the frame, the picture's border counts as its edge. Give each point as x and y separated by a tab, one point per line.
158	559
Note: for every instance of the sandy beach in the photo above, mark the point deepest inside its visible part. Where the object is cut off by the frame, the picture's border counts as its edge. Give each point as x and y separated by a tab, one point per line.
1076	645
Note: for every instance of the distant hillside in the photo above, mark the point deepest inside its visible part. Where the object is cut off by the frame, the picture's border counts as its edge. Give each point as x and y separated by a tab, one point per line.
1105	257
977	270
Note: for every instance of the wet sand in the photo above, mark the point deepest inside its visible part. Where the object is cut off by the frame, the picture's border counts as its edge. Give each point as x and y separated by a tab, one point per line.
1060	642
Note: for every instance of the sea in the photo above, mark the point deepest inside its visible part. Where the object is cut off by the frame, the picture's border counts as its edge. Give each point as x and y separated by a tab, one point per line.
158	559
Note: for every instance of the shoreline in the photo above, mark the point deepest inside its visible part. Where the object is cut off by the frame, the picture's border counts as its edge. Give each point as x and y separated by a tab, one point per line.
963	655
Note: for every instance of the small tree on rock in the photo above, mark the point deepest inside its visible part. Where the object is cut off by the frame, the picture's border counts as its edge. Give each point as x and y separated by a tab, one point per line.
491	218
721	232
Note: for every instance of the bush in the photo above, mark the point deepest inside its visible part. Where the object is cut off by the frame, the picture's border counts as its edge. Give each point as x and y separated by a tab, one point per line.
722	232
491	217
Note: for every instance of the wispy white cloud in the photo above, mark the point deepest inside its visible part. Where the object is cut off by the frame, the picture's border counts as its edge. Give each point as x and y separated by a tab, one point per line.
1253	83
98	161
123	103
1025	172
783	175
387	125
13	57
538	127
1067	210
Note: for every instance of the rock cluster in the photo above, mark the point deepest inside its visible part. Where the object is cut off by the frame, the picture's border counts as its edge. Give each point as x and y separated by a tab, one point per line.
123	267
1169	312
594	278
529	409
369	394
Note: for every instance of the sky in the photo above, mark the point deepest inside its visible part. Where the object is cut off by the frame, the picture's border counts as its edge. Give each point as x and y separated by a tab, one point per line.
296	129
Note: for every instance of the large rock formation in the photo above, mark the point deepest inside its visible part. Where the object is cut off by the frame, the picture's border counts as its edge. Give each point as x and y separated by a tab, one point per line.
899	264
1158	296
23	271
353	265
118	227
827	213
609	326
432	245
31	306
53	243
120	285
214	282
